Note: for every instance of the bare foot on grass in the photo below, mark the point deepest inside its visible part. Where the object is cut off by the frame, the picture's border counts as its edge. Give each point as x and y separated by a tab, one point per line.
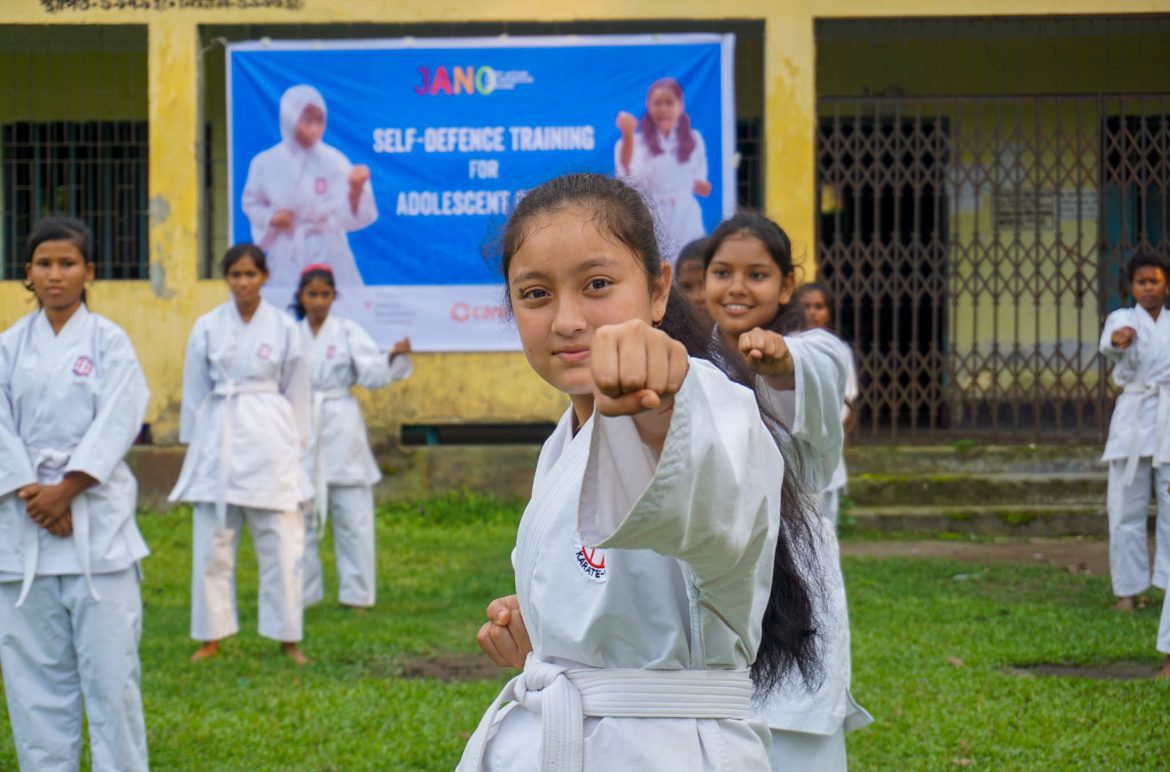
357	609
208	650
293	652
1165	671
1124	603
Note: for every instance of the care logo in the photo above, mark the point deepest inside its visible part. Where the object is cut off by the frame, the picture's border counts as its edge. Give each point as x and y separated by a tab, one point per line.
468	80
264	351
83	366
592	562
465	312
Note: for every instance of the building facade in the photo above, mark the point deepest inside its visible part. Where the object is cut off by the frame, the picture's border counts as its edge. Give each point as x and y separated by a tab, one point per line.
968	177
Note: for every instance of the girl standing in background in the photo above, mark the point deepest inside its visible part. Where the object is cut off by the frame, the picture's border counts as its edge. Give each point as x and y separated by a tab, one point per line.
246	419
341	355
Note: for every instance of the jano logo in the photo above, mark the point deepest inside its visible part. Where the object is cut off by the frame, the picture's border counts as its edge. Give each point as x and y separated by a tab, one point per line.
459	80
468	80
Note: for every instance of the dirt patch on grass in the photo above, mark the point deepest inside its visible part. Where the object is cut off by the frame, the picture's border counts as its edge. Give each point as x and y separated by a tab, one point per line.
1076	556
1109	671
451	667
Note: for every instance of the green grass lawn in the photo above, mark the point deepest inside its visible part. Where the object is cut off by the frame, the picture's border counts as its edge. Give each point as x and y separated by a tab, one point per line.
931	644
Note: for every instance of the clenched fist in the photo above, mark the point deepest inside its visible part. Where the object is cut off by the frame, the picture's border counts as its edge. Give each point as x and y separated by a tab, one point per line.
768	354
635	368
1123	338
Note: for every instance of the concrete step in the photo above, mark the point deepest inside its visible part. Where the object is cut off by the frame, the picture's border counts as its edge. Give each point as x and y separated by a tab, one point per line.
1042	520
970	458
408	472
964	490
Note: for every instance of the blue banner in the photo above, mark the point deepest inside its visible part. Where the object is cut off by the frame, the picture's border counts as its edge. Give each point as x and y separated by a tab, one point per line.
398	161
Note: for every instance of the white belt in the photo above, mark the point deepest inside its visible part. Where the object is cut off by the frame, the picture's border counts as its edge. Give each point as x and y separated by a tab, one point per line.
30	543
1162	390
229	391
320	484
563	697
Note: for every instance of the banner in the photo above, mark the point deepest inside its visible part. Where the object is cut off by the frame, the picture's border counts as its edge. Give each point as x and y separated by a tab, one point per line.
397	162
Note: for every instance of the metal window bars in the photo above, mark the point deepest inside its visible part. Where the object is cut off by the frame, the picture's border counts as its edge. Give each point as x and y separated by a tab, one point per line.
73	140
974	245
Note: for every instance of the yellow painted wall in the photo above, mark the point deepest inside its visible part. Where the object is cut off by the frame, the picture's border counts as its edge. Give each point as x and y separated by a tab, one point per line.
449	387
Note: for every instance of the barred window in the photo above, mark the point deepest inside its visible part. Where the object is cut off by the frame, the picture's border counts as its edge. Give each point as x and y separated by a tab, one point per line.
73	140
95	171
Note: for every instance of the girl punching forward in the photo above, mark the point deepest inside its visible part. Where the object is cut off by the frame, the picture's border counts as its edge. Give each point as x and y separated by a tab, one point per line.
245	418
72	400
657	563
665	158
814	299
801	377
1137	341
341	354
302	196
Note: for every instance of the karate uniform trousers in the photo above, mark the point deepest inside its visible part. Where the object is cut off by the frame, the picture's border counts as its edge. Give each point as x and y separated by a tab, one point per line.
342	355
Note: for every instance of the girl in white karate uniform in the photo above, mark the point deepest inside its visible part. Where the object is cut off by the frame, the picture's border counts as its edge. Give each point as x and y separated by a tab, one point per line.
801	376
72	400
245	418
814	298
665	158
341	354
303	196
1137	341
657	565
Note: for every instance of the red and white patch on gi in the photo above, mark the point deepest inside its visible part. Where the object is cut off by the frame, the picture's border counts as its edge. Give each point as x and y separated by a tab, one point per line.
83	366
330	351
592	562
321	186
265	351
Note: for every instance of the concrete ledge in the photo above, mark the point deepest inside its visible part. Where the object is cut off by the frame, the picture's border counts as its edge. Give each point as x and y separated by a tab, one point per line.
972	458
504	471
966	490
1043	521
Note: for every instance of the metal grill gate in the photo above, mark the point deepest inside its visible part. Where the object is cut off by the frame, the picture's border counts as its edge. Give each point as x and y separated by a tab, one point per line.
974	245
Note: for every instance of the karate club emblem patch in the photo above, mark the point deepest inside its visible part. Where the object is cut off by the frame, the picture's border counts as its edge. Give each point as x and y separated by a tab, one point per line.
322	186
83	366
330	351
592	562
265	351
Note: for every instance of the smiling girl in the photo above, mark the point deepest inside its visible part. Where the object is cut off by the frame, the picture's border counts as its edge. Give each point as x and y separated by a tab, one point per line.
801	376
665	158
72	400
657	563
245	418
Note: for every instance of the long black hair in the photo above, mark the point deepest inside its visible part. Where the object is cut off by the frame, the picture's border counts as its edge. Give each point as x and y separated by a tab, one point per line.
324	273
61	228
789	634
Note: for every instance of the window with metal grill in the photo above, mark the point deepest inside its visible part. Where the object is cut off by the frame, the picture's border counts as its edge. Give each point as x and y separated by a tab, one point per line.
93	170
